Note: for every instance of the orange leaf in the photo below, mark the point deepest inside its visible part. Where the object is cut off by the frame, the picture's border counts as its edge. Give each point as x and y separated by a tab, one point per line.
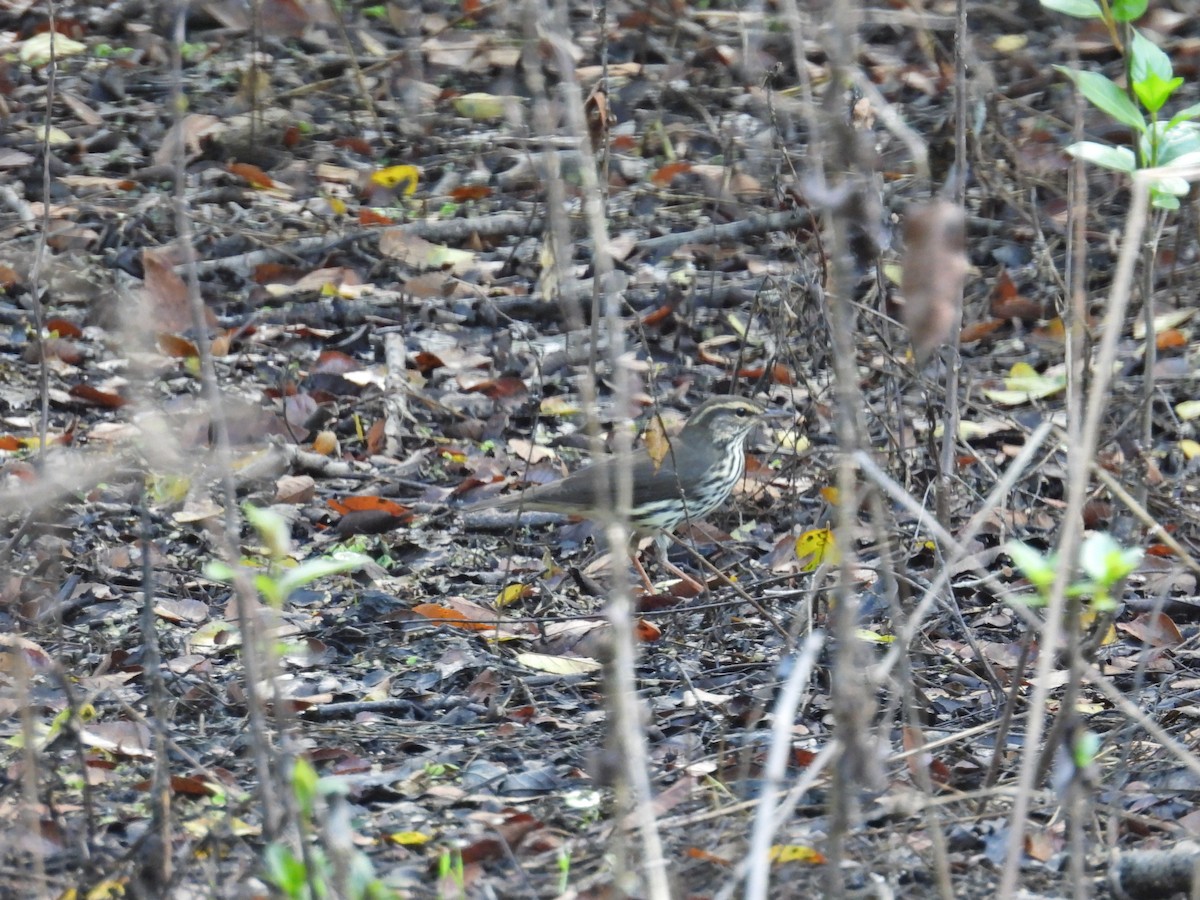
368	216
980	330
666	174
646	632
1171	339
97	397
449	616
64	328
366	502
466	192
176	347
252	174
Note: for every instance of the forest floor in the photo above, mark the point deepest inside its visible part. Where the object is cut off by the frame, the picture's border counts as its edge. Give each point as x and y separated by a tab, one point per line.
385	220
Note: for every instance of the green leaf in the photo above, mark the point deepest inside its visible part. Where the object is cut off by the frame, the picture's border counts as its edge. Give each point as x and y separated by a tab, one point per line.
271	527
1105	561
1119	158
312	569
1035	566
1183	115
1129	10
1107	96
284	869
304	785
1154	92
1084	749
1146	57
1080	9
1178	142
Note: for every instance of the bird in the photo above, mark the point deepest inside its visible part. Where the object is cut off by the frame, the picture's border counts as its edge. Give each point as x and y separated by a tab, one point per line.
697	474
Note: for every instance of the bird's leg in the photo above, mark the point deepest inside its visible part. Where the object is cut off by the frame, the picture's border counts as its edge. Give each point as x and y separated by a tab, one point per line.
691	587
641	570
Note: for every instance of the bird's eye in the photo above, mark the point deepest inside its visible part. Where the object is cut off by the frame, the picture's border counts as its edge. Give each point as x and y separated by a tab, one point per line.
742	412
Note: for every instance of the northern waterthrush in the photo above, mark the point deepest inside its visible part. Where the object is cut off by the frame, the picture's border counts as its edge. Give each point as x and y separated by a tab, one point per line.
697	473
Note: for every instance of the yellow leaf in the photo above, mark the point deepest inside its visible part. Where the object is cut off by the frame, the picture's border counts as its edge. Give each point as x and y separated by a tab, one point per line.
408	176
1189	448
1188	409
816	547
873	637
785	853
1024	384
559	405
1010	43
409	838
511	594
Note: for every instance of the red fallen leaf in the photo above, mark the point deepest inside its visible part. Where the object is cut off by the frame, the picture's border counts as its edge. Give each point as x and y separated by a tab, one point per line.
466	192
499	388
191	787
1160	550
251	174
624	142
9	277
291	136
276	273
175	346
9	444
966	460
646	632
657	316
511	832
96	397
337	362
368	216
71	28
355	145
64	328
287	389
426	362
1007	303
636	20
1096	513
375	438
979	331
802	758
664	175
